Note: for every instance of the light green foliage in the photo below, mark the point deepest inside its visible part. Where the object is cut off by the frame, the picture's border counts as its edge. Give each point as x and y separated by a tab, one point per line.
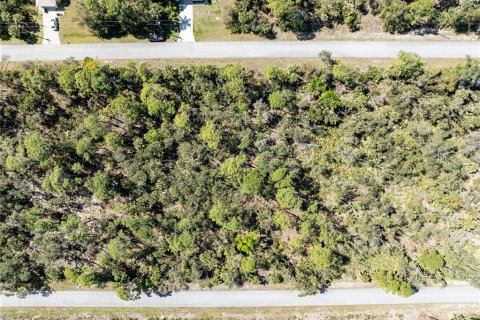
84	148
247	242
100	185
282	220
120	248
321	258
278	174
17	162
232	166
211	135
70	275
66	77
409	65
347	74
277	100
36	147
94	126
248	265
424	13
431	261
86	278
113	140
288	198
123	293
157	101
218	213
179	244
396	16
181	120
56	181
252	181
393	283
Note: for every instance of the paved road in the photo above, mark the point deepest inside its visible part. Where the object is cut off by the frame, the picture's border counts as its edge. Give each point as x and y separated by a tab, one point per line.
257	49
333	297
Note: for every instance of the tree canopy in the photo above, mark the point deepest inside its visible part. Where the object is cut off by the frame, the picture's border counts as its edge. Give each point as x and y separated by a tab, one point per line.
154	179
18	19
303	18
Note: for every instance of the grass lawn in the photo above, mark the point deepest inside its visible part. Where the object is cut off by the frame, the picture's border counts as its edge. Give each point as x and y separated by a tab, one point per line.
39	34
72	31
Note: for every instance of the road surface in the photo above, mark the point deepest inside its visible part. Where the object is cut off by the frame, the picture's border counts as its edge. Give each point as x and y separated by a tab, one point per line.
246	298
256	49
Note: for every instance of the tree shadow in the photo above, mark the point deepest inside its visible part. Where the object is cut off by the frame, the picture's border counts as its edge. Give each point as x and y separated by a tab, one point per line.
27	33
162	294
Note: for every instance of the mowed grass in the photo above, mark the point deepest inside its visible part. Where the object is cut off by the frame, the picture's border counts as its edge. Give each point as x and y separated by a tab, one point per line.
73	31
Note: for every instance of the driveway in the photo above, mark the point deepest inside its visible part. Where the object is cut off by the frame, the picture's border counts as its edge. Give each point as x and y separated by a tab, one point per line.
50	36
247	298
255	49
186	22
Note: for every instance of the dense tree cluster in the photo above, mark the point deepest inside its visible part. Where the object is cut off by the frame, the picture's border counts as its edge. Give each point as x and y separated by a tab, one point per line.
117	18
307	16
18	20
152	179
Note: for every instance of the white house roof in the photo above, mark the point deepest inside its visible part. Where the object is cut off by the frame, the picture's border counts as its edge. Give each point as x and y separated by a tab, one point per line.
46	3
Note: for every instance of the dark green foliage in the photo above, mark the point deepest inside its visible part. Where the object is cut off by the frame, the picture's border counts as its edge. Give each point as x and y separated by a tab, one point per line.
18	20
119	18
431	261
153	179
466	18
396	17
304	18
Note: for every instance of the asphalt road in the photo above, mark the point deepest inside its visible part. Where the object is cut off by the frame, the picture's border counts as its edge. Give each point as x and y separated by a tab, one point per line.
244	298
256	49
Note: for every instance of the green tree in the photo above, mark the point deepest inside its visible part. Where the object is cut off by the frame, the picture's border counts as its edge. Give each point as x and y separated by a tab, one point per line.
101	186
409	65
210	135
396	18
431	260
247	242
252	181
36	147
288	198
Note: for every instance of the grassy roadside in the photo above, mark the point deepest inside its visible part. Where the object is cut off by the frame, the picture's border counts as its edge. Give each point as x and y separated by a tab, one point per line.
384	312
209	25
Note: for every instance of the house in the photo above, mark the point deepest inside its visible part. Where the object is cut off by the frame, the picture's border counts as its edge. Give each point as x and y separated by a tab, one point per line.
48	4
